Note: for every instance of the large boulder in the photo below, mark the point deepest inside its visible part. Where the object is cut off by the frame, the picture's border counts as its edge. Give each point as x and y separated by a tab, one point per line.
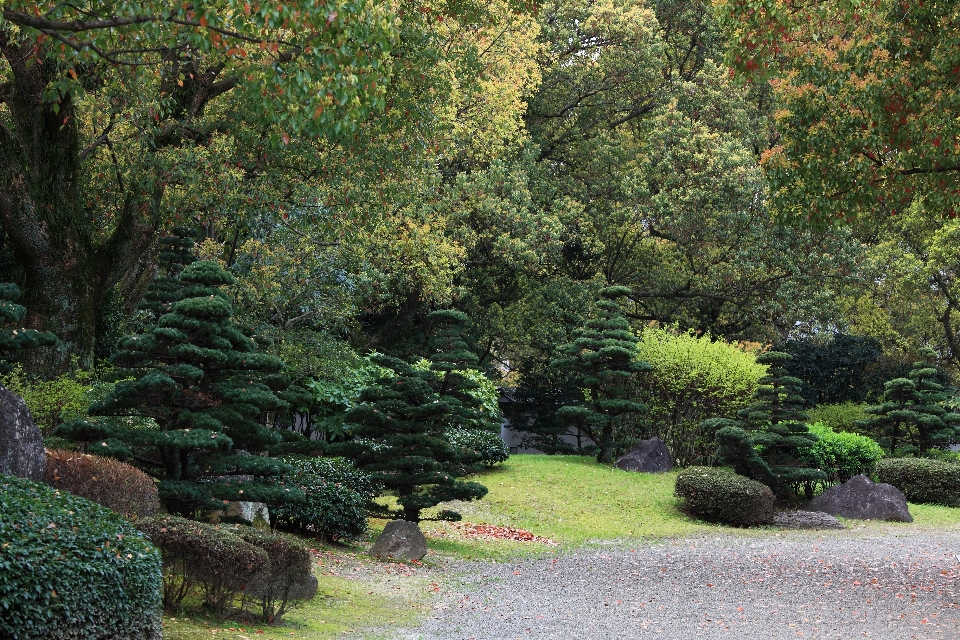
400	540
21	445
862	499
649	456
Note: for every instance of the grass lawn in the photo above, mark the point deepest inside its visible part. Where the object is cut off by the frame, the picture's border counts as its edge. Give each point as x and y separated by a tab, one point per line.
571	500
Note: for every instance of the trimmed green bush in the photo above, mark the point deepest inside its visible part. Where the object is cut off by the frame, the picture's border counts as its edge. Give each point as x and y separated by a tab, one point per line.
336	495
841	455
70	568
693	378
110	483
285	580
489	448
716	495
201	555
922	480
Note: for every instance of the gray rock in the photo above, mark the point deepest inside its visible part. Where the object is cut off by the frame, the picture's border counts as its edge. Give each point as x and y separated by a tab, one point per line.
862	499
805	520
649	456
400	540
305	590
21	445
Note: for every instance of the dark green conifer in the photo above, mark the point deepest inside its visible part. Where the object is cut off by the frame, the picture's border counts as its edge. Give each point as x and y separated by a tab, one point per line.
397	441
13	337
763	444
911	418
602	362
450	359
200	378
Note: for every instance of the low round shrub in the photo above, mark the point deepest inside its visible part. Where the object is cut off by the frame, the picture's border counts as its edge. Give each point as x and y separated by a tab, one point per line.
923	480
335	501
841	455
717	495
70	568
487	448
288	577
108	482
197	554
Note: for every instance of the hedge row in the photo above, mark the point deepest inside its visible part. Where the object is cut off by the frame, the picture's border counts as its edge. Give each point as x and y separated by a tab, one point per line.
923	480
70	568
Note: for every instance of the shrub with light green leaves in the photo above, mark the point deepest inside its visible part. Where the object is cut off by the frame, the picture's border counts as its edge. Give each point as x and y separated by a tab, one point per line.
70	568
923	481
336	496
693	378
841	455
839	417
718	495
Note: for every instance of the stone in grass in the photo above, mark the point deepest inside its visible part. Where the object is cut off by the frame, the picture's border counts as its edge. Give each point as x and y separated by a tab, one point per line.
649	456
805	520
21	444
400	540
862	499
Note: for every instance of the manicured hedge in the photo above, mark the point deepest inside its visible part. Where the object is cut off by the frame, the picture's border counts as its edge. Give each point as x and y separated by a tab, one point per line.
841	455
717	495
923	480
108	482
198	554
70	568
287	579
336	495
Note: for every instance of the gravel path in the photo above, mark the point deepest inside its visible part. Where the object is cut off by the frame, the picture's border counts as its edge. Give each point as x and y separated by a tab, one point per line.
811	585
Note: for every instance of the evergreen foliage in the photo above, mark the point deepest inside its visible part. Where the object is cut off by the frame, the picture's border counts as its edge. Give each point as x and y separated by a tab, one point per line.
601	360
202	380
765	443
716	495
835	372
452	360
911	418
401	444
14	338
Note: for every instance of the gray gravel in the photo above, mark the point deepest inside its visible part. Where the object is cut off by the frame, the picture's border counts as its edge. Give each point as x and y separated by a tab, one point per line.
800	585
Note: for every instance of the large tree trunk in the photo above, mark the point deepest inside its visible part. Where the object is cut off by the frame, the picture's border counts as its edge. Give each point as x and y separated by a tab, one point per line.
68	273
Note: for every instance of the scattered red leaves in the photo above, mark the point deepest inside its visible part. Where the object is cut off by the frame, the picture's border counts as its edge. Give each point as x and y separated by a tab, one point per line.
491	531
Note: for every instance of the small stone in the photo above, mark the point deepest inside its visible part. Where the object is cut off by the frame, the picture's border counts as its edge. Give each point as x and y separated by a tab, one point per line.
805	520
400	540
21	443
649	456
862	499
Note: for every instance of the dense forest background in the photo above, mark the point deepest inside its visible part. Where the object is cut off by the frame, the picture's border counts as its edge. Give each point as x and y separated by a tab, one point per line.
783	174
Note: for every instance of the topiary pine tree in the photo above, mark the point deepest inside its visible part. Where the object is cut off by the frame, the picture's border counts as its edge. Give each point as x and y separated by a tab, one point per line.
602	362
764	443
14	338
175	253
911	418
452	362
398	442
199	377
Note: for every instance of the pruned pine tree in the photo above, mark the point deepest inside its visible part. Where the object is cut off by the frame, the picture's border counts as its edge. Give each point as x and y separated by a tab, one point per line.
764	442
200	378
602	362
911	418
397	440
13	337
175	253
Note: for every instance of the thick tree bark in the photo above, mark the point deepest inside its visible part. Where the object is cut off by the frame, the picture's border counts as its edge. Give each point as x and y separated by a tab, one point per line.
68	274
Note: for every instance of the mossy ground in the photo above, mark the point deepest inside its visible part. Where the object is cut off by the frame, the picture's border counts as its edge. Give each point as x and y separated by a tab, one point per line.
569	499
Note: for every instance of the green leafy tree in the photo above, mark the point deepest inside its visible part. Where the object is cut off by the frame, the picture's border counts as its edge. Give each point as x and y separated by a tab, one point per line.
397	441
911	418
602	363
13	336
765	443
118	116
203	382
